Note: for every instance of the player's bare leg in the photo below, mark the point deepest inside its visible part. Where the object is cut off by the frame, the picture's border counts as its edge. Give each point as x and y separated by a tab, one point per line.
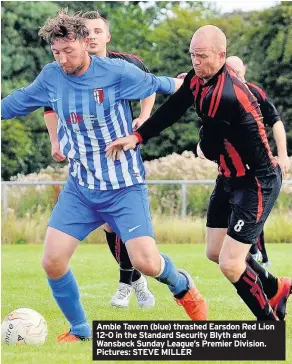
214	241
58	250
145	257
130	279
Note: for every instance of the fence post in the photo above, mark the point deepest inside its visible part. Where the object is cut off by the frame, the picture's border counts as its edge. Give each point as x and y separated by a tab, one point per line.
183	200
5	203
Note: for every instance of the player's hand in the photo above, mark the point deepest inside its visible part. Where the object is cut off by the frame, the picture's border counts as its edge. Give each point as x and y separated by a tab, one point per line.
284	163
138	122
199	152
56	153
181	76
113	150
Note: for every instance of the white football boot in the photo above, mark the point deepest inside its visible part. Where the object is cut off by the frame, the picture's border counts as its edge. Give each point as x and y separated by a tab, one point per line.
144	296
122	296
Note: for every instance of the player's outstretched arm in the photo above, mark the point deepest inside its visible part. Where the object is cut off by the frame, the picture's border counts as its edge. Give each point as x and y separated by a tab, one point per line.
25	100
165	116
148	103
136	84
170	112
178	83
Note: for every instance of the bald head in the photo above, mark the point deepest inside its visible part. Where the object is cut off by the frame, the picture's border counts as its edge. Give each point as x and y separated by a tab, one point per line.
208	51
210	36
237	65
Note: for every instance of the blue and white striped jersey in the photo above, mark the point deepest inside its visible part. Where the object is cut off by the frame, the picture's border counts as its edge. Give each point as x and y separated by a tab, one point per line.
93	110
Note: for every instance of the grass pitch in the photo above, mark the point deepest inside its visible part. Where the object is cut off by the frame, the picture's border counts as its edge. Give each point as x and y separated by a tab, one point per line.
24	285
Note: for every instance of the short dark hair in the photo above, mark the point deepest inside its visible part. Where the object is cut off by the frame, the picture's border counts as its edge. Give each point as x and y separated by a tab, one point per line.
94	14
64	25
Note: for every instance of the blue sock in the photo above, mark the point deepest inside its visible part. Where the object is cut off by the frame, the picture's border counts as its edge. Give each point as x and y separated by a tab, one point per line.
66	293
176	282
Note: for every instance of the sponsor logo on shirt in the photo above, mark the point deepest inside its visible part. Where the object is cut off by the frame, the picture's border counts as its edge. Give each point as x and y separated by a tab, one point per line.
74	118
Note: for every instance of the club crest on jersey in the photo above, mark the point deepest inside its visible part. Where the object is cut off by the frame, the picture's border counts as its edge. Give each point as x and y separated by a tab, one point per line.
98	95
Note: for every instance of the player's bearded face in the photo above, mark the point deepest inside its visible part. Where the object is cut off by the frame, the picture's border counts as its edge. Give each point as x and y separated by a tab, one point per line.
70	55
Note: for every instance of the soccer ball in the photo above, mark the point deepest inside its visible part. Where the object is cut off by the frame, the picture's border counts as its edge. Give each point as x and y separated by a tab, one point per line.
24	326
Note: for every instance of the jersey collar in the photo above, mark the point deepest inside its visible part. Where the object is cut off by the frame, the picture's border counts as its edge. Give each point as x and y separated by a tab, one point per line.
214	79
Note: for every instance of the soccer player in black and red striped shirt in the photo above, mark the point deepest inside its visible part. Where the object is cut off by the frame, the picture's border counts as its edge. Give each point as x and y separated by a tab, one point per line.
249	180
130	279
273	120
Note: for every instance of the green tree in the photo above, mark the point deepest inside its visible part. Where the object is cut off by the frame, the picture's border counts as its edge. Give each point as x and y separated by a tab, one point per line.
23	57
16	148
170	50
270	58
23	52
264	42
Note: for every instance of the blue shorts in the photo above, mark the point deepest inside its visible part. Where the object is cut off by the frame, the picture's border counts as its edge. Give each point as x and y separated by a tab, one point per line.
80	210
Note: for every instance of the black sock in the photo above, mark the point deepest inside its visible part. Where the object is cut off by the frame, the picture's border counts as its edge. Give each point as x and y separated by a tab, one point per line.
250	289
115	246
262	248
253	249
111	239
136	275
126	266
269	282
119	251
126	276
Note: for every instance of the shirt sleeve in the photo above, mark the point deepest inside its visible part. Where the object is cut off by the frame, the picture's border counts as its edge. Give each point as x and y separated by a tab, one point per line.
270	113
25	100
48	109
136	84
169	112
268	109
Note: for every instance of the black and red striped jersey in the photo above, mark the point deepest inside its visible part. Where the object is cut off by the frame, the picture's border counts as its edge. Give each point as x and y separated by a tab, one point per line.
268	109
131	58
233	132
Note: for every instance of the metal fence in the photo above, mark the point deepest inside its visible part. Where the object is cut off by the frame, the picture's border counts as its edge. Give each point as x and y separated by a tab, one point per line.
183	185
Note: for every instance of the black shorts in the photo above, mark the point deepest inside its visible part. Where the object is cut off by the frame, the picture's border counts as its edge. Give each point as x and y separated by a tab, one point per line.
243	204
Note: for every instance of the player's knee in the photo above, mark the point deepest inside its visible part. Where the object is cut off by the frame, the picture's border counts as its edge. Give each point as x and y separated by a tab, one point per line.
54	267
213	256
107	228
226	269
147	266
229	268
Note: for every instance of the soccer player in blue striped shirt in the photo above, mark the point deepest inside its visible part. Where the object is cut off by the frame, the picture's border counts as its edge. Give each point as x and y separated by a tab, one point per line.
130	279
90	96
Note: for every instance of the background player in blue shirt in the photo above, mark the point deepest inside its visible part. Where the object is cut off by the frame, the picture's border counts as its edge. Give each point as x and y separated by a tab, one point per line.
90	96
130	278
